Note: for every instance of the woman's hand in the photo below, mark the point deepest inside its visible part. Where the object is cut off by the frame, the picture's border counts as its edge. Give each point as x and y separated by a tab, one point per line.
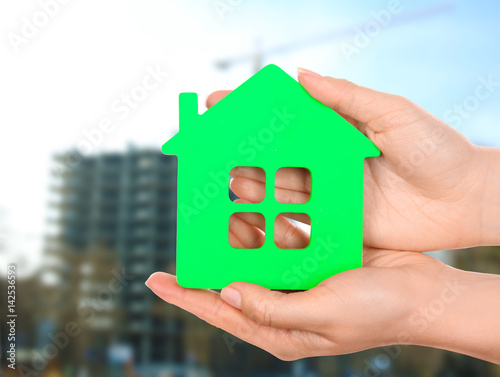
348	312
396	298
429	188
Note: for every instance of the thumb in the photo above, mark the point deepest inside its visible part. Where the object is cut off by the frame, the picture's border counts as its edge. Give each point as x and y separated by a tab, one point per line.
215	97
361	104
273	308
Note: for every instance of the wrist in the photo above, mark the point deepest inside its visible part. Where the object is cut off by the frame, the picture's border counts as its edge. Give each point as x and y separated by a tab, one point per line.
489	192
460	313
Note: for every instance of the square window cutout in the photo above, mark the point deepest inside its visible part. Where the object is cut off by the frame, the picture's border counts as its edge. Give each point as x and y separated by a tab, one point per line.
292	230
292	185
247	184
246	230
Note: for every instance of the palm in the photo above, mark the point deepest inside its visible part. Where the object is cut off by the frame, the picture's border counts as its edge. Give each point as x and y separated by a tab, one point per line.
303	324
421	213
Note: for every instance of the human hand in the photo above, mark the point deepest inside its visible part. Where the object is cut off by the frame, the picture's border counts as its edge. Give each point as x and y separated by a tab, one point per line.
393	298
396	298
427	190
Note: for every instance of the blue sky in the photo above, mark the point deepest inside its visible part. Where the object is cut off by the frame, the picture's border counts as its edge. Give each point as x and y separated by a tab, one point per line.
435	60
63	82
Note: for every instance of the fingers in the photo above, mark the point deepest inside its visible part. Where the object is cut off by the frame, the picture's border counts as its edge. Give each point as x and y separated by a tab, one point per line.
287	178
247	231
356	102
208	306
273	308
215	97
286	344
300	217
288	235
244	232
249	172
249	184
249	189
254	219
292	196
292	185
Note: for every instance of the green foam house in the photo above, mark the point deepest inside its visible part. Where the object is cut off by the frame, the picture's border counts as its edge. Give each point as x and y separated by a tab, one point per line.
270	122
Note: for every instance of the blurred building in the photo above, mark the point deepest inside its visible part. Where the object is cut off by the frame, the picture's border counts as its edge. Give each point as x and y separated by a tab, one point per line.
115	215
484	259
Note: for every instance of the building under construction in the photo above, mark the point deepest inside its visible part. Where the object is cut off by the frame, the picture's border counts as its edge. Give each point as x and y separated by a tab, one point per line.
115	220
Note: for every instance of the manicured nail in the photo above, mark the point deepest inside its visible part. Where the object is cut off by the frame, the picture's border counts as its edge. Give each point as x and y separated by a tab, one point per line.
231	296
301	71
149	282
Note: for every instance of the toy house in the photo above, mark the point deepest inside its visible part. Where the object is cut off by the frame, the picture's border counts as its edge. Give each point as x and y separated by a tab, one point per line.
293	130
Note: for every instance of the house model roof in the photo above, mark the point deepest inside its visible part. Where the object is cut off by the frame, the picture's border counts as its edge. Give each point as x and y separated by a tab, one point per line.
263	103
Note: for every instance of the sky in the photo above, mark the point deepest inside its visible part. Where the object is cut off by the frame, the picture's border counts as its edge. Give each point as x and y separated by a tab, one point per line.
70	75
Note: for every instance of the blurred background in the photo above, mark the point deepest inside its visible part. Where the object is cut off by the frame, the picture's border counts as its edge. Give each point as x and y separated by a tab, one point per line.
87	207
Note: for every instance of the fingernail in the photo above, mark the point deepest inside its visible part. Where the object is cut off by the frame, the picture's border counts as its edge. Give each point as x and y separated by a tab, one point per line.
301	71
231	296
149	282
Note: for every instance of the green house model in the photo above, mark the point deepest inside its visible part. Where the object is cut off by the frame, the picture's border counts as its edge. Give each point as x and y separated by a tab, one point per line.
270	122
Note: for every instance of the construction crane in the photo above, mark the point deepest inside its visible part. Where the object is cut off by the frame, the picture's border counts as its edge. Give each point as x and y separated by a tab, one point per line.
258	55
